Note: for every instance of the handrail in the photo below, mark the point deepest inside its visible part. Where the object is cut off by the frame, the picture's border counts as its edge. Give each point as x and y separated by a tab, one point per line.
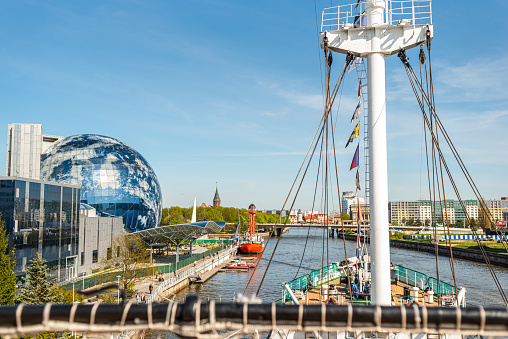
196	318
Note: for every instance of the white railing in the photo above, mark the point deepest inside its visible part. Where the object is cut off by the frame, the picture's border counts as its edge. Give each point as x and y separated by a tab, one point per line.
194	270
397	12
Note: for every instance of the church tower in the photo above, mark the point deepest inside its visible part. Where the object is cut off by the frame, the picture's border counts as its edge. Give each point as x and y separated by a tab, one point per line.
216	199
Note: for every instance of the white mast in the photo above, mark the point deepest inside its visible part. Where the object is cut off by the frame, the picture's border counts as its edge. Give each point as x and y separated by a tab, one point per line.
193	219
379	233
379	38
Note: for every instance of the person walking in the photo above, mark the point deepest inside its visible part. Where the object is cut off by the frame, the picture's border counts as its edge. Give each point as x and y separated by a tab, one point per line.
150	288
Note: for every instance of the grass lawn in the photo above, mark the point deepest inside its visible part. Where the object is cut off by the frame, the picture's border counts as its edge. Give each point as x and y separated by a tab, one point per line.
489	246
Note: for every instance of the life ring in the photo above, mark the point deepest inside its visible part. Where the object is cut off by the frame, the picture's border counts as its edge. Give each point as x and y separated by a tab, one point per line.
332	300
411	302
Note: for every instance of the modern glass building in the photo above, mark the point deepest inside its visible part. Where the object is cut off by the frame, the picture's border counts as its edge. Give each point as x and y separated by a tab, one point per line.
114	178
41	217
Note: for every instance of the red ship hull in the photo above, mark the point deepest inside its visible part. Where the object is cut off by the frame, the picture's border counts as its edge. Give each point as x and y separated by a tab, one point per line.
251	248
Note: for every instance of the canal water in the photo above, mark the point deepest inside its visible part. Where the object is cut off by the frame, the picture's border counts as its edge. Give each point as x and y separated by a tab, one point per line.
285	266
475	277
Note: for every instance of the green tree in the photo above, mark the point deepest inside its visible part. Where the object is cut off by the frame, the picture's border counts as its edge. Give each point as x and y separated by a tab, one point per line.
473	224
7	263
345	216
38	288
131	255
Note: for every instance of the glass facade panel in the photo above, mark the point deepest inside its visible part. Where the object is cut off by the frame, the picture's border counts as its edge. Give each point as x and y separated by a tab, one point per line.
40	218
114	178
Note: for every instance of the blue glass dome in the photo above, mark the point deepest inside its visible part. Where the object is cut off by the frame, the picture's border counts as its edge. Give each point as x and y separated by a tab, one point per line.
114	178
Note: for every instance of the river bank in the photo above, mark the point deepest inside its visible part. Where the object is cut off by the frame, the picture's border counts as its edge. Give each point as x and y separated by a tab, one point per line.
443	250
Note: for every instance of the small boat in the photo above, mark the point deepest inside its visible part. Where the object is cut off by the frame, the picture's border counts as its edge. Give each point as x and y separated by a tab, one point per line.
239	264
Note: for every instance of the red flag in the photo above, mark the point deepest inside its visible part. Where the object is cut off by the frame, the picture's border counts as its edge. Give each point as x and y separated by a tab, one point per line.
360	217
355	161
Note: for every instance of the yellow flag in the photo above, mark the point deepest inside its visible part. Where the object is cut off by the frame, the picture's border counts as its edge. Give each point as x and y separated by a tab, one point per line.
354	134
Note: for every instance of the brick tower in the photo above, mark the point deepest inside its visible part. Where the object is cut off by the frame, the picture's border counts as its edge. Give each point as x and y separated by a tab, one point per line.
216	198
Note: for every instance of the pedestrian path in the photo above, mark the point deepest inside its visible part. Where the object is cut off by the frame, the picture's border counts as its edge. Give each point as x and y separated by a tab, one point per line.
201	269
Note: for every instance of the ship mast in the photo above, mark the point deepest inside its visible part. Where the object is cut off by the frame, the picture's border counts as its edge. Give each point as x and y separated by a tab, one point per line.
380	36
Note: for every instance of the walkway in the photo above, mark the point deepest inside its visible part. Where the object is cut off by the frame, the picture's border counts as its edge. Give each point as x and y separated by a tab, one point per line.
201	270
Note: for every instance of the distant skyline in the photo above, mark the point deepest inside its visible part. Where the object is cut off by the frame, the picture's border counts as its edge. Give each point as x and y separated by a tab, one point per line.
231	92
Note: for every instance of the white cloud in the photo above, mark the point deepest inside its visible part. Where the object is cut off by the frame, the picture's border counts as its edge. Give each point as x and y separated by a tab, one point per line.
477	80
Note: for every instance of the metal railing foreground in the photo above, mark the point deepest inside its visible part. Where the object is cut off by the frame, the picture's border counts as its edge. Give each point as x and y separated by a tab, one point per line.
194	318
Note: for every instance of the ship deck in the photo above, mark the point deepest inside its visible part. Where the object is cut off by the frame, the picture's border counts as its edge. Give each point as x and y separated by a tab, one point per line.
341	295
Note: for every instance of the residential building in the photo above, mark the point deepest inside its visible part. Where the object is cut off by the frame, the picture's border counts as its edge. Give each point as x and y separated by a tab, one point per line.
348	199
364	209
403	211
25	146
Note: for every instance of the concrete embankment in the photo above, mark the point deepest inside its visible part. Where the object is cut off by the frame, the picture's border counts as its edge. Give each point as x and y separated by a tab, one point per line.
199	271
461	253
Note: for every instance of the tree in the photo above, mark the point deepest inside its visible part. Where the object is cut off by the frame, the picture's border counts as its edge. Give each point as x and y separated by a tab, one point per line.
7	263
473	224
345	216
38	288
130	254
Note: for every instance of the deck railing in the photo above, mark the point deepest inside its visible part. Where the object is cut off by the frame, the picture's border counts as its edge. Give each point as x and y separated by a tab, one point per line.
405	12
313	279
421	280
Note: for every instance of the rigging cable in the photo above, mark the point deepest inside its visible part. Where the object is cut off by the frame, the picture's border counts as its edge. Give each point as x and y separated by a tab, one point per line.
414	83
433	102
349	58
340	219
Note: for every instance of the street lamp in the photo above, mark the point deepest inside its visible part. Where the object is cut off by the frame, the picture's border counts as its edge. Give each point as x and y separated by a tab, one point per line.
118	276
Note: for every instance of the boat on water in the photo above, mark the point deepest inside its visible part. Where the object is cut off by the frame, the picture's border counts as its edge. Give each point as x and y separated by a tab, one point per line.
250	242
238	264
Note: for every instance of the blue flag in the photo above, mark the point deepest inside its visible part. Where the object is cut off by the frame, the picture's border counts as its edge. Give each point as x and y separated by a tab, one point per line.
356	158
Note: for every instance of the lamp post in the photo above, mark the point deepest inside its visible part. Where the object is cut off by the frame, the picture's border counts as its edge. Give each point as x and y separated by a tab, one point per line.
118	276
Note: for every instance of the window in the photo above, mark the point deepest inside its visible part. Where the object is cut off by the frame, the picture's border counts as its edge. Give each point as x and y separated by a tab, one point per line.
95	256
118	251
82	258
109	253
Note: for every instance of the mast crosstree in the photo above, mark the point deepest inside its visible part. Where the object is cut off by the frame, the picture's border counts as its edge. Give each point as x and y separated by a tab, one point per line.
374	30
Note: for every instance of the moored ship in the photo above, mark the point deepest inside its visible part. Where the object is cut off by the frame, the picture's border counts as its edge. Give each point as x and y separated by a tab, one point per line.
251	243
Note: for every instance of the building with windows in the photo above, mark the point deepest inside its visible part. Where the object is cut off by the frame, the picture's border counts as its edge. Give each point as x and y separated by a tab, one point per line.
25	145
68	198
96	238
348	199
47	218
41	217
401	212
115	179
364	209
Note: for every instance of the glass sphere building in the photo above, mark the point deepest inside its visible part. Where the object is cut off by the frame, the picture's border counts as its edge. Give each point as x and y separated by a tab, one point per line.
114	178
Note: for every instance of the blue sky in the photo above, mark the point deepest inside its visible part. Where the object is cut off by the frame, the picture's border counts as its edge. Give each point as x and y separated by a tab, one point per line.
231	92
